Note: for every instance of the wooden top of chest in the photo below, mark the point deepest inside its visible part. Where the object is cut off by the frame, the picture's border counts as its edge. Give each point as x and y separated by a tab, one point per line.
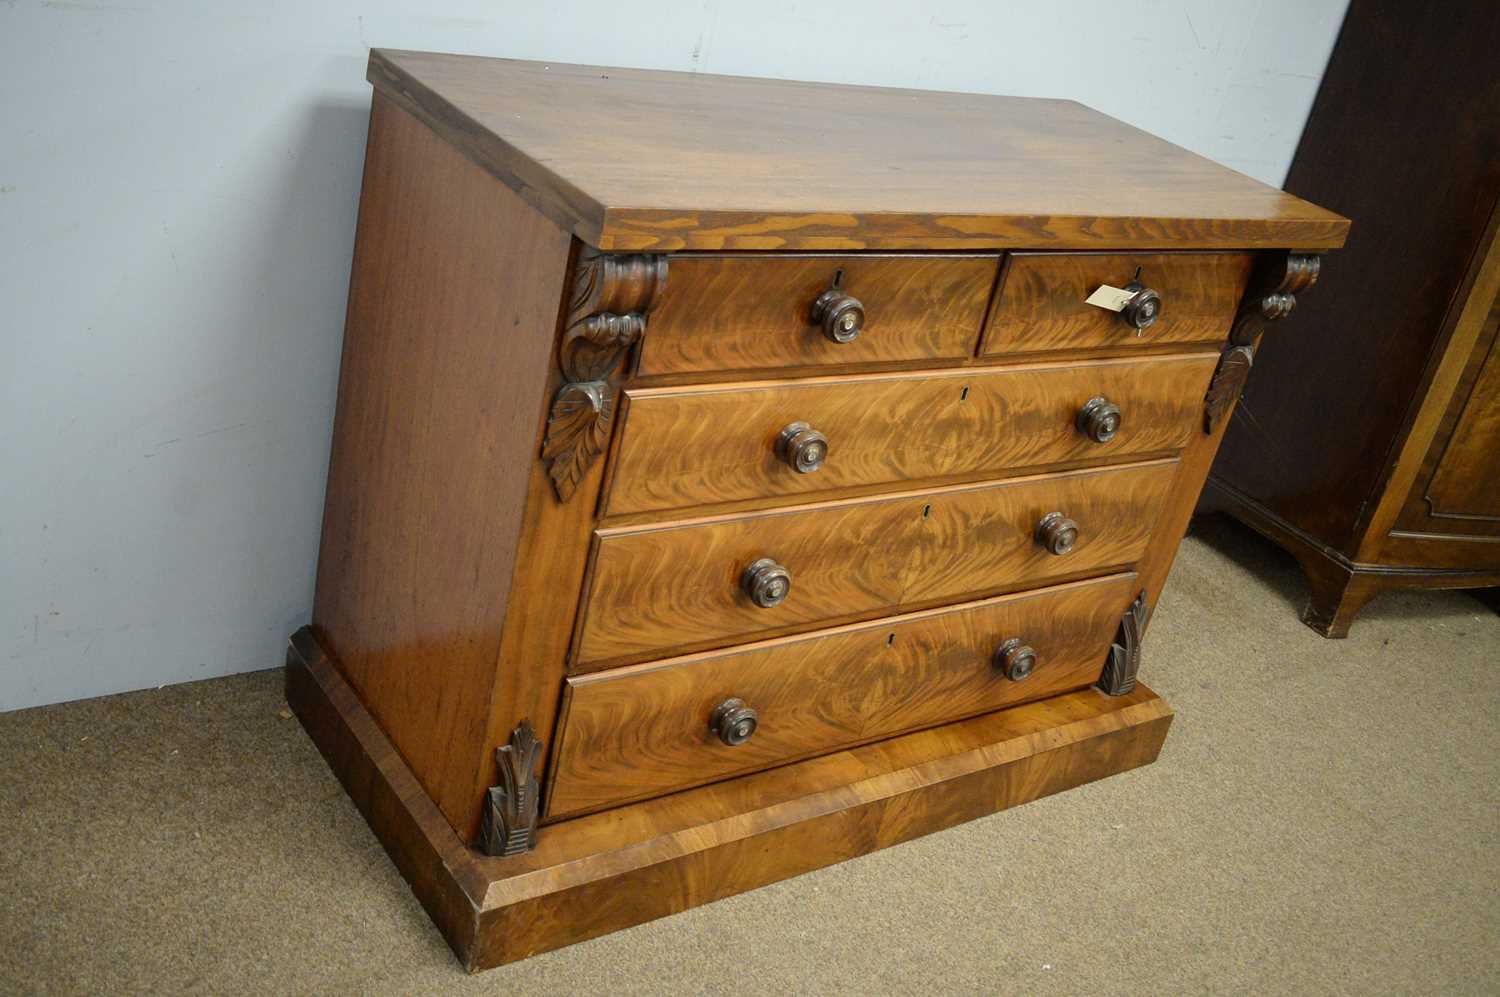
631	159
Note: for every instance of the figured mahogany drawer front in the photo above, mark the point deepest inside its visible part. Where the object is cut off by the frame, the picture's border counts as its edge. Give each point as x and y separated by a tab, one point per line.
646	729
731	312
687	585
1041	303
685	447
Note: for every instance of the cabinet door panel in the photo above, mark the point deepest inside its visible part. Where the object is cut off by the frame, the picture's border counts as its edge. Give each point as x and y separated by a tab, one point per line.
1452	514
1466	481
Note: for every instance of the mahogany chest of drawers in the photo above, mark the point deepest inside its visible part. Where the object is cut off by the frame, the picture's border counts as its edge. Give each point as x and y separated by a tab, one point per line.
734	476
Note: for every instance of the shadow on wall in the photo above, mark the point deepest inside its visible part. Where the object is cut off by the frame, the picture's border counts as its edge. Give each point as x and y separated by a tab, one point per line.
290	320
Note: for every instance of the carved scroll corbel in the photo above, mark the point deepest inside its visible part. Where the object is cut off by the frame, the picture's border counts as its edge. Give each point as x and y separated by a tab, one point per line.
606	317
1124	661
1272	296
510	812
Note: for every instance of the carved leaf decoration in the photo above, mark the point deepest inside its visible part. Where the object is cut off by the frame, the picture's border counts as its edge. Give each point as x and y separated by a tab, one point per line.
1227	386
1124	660
588	277
592	348
577	431
510	817
518	769
611	294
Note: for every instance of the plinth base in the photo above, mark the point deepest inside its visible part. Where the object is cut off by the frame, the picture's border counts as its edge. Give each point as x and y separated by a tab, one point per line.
592	875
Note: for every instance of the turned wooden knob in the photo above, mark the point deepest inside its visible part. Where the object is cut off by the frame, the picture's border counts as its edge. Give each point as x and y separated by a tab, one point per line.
1143	307
766	583
803	447
1099	419
1015	659
841	315
734	722
1056	533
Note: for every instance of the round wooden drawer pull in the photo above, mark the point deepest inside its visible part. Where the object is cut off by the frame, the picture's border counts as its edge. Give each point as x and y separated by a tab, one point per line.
734	722
1142	309
766	583
1016	659
1057	533
841	315
803	447
1099	419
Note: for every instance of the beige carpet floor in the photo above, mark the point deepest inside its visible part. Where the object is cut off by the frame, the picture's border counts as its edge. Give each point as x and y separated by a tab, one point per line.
1323	820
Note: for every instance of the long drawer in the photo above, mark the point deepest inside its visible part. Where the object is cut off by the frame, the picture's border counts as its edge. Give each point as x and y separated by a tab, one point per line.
692	584
694	446
644	730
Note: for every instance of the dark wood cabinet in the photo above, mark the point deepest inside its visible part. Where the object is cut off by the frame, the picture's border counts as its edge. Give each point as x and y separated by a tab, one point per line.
720	490
1367	442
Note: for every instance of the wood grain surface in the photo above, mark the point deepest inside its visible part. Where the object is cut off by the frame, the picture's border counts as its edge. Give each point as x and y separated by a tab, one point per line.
1472	337
1040	304
676	587
417	836
632	159
539	615
597	874
682	447
453	307
638	731
1457	489
754	311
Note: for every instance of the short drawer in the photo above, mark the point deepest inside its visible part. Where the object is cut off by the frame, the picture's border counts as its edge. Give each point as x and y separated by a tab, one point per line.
693	584
749	312
644	730
1041	302
693	446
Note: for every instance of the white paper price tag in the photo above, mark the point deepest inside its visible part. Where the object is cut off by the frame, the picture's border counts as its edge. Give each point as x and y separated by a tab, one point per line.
1112	298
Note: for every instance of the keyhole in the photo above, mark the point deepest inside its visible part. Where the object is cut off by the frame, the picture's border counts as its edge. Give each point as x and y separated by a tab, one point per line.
926	511
963	395
838	277
890	640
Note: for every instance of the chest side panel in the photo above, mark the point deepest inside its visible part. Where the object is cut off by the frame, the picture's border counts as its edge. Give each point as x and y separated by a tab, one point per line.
452	310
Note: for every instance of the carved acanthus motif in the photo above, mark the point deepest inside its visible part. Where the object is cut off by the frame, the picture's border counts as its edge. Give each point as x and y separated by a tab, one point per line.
606	317
1272	296
577	431
1227	386
510	813
1124	659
